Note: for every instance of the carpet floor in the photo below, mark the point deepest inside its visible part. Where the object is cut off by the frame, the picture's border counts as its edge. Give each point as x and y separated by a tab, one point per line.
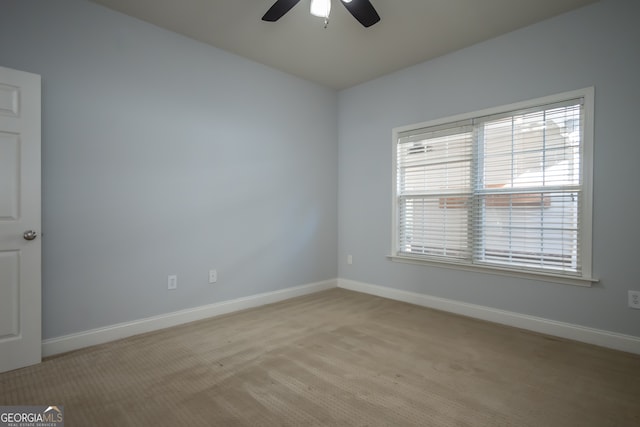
336	358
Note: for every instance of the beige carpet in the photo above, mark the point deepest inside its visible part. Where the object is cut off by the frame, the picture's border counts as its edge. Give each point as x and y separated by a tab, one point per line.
336	358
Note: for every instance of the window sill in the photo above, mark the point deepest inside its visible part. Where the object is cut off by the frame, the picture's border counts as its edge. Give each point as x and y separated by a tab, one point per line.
544	277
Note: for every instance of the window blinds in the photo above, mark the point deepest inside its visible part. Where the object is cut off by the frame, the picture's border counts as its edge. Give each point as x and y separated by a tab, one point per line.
501	190
435	190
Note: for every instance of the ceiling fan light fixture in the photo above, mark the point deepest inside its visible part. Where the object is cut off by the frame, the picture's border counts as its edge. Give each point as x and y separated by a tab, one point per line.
321	8
362	10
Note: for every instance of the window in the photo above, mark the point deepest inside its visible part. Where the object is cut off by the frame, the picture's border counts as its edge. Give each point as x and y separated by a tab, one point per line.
507	188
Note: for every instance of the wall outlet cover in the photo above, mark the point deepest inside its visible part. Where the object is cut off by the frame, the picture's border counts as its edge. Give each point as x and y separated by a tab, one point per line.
634	299
172	282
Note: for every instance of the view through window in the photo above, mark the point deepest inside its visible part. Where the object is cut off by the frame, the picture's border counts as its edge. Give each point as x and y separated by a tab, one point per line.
505	189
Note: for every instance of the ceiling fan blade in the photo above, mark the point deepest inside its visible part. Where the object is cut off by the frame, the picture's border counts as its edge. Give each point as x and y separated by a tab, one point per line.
279	8
363	11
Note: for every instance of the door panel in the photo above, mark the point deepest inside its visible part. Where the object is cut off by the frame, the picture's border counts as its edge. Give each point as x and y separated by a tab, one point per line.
9	294
9	175
20	259
9	100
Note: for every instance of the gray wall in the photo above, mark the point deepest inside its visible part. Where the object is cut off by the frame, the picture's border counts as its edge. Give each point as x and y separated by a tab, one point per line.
594	46
164	156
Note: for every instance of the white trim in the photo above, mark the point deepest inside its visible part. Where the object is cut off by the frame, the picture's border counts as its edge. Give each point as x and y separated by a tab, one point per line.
587	156
105	334
550	99
613	340
92	337
586	212
510	272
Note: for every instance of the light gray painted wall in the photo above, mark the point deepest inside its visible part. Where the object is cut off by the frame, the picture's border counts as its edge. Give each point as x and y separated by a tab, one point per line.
594	46
162	155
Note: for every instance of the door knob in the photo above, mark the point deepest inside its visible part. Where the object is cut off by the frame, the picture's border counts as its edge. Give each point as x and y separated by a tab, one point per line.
30	235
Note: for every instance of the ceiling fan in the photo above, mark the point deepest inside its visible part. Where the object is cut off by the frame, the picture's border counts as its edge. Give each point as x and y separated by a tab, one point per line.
362	10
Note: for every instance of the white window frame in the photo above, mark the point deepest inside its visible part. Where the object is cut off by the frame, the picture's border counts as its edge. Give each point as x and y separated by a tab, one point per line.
586	215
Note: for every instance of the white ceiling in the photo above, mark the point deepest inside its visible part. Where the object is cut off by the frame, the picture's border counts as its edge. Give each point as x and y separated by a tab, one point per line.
345	53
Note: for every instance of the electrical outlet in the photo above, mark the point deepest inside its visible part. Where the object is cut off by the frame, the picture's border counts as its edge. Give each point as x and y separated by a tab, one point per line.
349	259
213	276
172	282
634	299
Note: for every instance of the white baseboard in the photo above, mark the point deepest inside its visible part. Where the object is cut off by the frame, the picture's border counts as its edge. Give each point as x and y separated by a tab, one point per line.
570	331
598	337
83	339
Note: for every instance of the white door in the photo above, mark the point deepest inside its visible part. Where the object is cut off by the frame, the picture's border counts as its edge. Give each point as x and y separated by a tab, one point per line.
20	247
